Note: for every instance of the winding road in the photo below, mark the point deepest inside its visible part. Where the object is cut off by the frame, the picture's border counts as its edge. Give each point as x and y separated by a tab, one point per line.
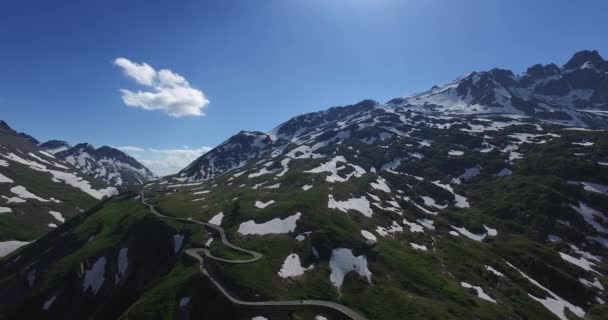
194	253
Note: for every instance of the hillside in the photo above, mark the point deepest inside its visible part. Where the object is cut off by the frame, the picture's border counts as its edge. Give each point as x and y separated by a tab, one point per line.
38	191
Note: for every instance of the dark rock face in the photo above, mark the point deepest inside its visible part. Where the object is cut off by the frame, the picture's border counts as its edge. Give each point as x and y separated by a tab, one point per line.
582	57
54	144
6	130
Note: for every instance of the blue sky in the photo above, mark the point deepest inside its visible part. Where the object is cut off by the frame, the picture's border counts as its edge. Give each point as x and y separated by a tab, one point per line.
258	63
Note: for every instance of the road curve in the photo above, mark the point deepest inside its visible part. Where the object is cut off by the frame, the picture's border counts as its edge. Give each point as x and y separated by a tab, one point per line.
255	255
194	253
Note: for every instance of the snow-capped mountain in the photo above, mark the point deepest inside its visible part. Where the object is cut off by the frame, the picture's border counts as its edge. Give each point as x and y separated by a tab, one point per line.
38	191
575	94
105	163
232	153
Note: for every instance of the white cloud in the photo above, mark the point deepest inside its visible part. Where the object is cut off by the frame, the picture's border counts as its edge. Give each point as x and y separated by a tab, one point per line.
130	149
165	161
169	92
142	73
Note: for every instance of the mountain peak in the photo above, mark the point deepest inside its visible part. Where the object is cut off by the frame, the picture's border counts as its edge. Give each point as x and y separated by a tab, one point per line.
54	146
4	125
107	164
582	57
539	70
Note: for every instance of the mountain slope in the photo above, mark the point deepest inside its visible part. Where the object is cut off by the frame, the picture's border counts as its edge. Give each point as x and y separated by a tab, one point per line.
434	205
37	190
107	164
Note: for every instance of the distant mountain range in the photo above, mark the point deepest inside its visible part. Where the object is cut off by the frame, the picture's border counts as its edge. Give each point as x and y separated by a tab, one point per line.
38	191
42	185
107	164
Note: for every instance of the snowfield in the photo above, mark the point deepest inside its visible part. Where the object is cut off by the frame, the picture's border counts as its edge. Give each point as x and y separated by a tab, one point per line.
358	204
7	247
22	192
343	261
274	226
5	179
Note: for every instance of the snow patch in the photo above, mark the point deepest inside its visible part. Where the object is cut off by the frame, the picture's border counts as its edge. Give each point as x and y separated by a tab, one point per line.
553	303
22	192
381	185
582	262
292	267
589	215
480	293
184	301
94	277
414	227
262	205
123	264
494	271
217	219
456	153
368	235
57	215
48	303
358	204
463	231
178	240
427	223
333	167
394	228
419	247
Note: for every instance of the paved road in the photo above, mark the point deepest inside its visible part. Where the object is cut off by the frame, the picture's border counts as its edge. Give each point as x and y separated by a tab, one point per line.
194	253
